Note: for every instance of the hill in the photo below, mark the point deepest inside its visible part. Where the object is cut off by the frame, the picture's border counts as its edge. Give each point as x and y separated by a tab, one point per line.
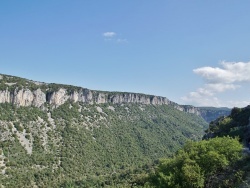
209	113
56	135
219	160
237	123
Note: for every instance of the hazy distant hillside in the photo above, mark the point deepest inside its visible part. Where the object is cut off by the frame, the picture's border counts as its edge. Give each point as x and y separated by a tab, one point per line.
237	123
211	113
207	113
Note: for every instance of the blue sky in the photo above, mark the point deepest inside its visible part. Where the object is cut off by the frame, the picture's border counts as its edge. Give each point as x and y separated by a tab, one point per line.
192	52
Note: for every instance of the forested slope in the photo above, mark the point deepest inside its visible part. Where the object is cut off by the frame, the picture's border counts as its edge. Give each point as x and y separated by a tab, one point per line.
88	144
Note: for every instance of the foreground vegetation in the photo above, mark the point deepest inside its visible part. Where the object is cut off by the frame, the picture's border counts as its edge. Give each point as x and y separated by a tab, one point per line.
208	163
217	161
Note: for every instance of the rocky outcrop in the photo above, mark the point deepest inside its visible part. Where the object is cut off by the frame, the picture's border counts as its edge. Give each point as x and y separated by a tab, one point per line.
188	109
23	97
5	96
37	98
39	93
26	97
137	98
58	98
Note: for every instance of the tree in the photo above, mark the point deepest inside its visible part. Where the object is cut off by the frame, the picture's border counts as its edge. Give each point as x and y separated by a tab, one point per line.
195	164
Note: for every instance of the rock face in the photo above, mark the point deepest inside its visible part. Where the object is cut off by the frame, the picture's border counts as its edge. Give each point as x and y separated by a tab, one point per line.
39	98
5	96
23	97
26	97
188	109
23	92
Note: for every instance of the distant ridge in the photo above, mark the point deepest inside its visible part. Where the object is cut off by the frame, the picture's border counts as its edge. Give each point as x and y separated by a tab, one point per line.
24	92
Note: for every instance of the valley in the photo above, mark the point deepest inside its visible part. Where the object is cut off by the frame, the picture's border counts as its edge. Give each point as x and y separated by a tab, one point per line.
56	135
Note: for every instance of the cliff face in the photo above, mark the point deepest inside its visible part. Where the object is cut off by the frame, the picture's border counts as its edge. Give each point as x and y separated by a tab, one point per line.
26	97
188	109
23	92
23	97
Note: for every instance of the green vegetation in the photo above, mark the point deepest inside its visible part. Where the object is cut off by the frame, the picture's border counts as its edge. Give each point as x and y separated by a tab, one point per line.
236	124
85	145
218	161
207	163
13	83
116	145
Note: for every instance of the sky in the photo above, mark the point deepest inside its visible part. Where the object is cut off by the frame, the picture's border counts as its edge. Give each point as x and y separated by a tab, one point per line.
192	52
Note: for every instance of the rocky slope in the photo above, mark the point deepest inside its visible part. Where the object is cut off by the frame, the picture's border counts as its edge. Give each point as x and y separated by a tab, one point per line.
23	92
54	135
88	145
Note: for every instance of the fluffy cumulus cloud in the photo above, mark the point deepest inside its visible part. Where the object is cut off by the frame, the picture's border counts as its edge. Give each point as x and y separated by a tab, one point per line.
217	80
229	73
109	34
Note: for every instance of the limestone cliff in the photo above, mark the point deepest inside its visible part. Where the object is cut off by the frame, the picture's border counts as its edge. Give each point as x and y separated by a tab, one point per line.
27	97
23	92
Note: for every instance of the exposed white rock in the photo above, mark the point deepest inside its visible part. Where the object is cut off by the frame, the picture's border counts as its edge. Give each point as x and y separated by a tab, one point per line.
39	98
38	83
26	97
142	109
99	109
75	96
58	98
10	84
188	109
51	120
101	98
23	141
5	96
23	97
88	95
111	108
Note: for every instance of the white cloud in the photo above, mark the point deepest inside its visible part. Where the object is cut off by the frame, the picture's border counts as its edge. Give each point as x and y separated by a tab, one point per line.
113	37
109	34
220	87
199	100
229	73
218	80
